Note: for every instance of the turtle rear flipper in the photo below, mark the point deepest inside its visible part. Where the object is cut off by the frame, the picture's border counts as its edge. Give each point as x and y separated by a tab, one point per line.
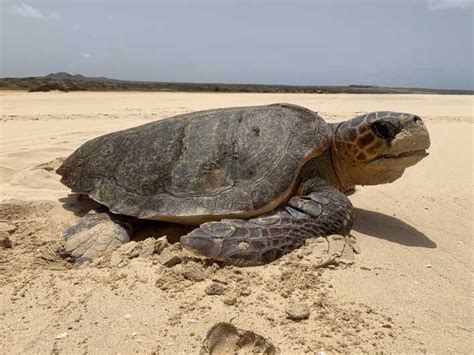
94	234
324	211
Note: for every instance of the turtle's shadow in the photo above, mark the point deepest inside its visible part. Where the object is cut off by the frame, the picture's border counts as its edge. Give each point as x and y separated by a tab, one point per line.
379	225
78	206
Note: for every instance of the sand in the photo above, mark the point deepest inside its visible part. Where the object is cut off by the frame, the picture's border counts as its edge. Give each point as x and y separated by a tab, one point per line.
409	290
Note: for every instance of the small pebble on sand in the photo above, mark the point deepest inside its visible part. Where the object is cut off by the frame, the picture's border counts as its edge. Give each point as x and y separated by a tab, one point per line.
297	311
215	289
230	301
61	336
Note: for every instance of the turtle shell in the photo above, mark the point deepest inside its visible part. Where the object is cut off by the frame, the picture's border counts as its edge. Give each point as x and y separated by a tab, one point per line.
201	166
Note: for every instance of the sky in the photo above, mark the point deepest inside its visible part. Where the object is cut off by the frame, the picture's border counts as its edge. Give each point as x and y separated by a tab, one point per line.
399	43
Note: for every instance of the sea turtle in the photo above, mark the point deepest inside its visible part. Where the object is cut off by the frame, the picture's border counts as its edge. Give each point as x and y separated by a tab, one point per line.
257	180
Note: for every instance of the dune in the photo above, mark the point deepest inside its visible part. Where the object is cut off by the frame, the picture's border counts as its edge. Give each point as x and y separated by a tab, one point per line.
409	290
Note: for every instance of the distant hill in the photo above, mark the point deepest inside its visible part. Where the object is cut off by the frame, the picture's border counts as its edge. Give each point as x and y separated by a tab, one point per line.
64	81
66	76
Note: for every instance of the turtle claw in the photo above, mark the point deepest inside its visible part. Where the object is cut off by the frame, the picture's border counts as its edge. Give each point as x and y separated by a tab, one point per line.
94	234
81	260
309	206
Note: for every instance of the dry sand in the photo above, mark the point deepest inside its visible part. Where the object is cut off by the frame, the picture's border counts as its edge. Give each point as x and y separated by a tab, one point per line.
410	289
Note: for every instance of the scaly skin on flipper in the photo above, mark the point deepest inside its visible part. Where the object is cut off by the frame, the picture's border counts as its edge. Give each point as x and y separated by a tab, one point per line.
96	233
322	212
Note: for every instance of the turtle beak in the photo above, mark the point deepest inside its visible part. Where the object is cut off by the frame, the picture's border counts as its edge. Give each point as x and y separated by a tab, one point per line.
413	137
408	146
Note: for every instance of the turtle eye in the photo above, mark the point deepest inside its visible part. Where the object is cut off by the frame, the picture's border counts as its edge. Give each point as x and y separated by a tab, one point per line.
384	130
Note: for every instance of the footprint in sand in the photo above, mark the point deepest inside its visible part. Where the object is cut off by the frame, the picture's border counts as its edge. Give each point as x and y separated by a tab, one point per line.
225	338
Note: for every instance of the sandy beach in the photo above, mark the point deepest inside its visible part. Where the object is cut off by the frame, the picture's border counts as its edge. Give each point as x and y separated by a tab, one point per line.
409	290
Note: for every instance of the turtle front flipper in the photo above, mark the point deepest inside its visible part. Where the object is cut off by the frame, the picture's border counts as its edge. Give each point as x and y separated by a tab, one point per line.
96	233
322	212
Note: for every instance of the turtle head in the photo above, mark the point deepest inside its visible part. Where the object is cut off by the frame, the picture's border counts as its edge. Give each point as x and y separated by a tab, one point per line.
377	148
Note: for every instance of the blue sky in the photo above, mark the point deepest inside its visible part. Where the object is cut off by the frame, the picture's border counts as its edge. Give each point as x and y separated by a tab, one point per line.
409	43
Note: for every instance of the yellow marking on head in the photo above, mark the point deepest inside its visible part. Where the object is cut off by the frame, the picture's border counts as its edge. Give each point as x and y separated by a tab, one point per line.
370	155
371	150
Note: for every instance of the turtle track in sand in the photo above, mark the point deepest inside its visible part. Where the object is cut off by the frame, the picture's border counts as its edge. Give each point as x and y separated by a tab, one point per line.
225	338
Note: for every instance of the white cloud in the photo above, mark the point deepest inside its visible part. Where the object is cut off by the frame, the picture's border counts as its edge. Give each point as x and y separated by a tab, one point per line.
76	27
85	55
450	4
27	11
